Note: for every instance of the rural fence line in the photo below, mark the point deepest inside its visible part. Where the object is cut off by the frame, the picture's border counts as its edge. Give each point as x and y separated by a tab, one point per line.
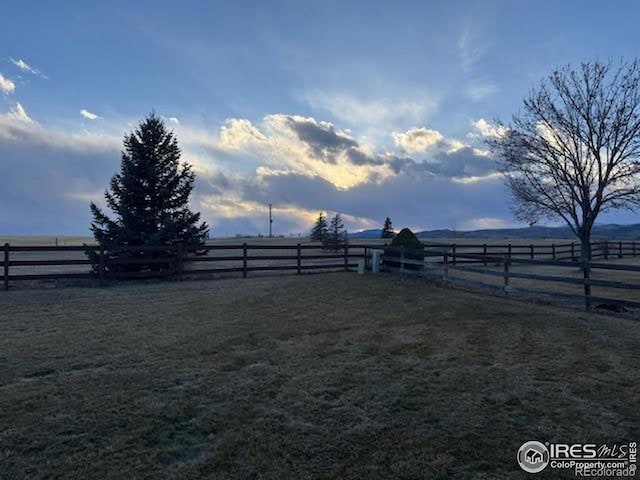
604	249
174	264
439	265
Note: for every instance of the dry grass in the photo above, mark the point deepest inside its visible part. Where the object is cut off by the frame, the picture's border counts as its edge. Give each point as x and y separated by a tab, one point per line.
325	376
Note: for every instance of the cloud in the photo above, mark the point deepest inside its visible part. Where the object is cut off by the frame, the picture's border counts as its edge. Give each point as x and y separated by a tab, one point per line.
26	68
378	114
299	164
6	85
17	116
174	120
480	91
89	115
417	140
471	48
238	133
484	129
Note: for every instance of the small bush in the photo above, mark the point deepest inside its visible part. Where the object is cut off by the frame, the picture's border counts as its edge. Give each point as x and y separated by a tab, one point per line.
407	239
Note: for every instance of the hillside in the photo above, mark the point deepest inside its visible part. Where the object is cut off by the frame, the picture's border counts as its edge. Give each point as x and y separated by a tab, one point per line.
606	231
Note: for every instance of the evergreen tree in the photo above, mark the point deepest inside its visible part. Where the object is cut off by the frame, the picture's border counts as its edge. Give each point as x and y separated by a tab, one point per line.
387	229
337	236
320	229
149	197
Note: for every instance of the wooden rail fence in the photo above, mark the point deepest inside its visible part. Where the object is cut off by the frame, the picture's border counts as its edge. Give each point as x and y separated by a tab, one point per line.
177	260
449	259
605	249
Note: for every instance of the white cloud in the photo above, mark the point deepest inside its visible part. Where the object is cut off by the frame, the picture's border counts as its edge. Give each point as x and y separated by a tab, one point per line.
480	91
89	115
417	140
378	114
26	68
17	114
6	85
471	48
486	130
174	120
238	133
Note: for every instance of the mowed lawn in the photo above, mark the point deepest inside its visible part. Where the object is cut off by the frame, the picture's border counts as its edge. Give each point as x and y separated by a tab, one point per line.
330	376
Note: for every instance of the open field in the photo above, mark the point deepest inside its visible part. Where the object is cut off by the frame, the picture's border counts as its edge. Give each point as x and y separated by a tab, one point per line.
322	376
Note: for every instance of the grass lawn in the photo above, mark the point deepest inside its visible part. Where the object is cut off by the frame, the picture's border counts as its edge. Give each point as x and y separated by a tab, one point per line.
332	376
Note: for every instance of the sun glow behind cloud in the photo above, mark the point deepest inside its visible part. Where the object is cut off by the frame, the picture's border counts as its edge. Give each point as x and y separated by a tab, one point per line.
300	164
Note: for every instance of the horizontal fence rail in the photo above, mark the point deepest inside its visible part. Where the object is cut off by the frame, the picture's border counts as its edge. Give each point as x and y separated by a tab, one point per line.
22	263
444	261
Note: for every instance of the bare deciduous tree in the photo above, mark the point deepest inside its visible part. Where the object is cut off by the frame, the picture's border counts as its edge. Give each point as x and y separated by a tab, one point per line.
573	152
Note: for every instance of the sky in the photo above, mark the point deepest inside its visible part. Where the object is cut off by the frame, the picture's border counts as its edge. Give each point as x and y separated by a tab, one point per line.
370	109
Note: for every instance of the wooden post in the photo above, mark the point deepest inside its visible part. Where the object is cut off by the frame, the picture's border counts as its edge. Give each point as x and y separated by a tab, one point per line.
6	266
484	252
346	257
506	274
445	268
509	251
633	248
366	251
244	260
101	265
553	251
299	260
586	270
606	249
531	248
573	250
179	266
402	259
620	249
453	253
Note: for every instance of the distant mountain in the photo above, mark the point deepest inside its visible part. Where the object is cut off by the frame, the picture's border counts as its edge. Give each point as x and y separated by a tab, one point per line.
603	232
373	233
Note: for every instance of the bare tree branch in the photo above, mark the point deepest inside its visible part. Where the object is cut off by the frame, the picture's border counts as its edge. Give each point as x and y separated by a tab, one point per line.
573	151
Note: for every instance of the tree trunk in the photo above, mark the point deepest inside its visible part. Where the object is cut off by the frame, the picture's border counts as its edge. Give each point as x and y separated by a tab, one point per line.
585	247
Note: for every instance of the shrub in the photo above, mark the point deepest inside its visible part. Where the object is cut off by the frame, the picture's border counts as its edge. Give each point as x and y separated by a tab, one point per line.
407	239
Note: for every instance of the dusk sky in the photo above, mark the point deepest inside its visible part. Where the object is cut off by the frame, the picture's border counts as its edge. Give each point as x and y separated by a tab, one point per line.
370	109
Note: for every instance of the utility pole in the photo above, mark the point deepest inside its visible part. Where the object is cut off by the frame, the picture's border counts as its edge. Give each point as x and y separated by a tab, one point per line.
270	222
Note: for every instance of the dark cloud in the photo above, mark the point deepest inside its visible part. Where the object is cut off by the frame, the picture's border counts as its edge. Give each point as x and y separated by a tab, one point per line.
48	180
322	138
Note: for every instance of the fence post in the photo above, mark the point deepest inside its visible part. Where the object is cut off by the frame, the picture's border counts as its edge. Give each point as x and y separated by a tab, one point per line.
453	253
606	249
509	251
346	257
299	261
573	253
531	248
402	258
6	266
179	248
101	265
553	251
445	268
633	248
506	274
244	260
366	251
586	270
619	248
484	252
